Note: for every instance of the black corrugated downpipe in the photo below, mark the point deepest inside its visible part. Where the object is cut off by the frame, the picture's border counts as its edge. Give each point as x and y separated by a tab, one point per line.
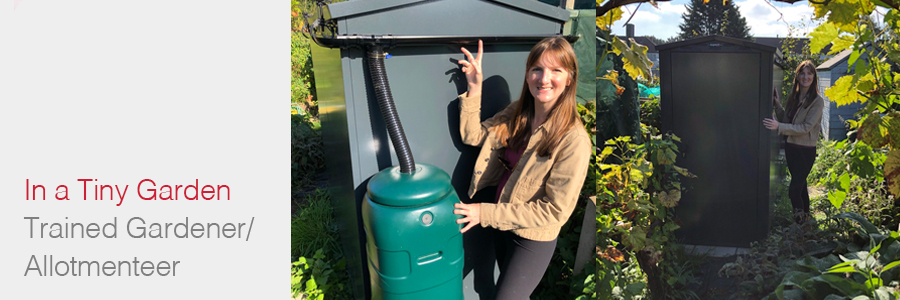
388	110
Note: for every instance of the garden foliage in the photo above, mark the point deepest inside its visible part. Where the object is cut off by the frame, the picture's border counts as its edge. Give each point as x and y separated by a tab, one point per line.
638	187
302	87
865	270
318	270
317	278
874	81
307	158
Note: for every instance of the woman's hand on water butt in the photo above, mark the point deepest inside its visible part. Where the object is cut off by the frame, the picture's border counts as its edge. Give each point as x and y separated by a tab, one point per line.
472	68
471	213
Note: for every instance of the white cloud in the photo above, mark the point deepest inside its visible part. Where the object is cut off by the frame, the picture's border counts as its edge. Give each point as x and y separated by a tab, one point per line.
661	23
764	19
771	19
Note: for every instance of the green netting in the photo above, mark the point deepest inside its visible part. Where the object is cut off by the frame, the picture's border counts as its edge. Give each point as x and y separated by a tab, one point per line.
583	25
646	92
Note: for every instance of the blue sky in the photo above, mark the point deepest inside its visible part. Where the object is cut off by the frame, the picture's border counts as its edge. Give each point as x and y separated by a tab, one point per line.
765	18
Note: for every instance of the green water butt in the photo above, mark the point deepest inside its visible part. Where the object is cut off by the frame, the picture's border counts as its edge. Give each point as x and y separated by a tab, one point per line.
415	249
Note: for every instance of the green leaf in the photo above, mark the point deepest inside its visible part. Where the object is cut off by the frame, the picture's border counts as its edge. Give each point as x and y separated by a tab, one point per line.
636	288
852	59
845	181
793	278
863	223
610	17
311	284
870	131
845	285
892	171
843	91
874	283
866	83
837	198
637	64
822	36
843	269
841	43
636	239
890	266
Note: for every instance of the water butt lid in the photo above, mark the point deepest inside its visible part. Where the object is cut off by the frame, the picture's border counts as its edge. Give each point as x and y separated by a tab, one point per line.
426	185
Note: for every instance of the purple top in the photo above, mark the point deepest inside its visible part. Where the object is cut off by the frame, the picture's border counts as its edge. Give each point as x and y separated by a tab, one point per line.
511	156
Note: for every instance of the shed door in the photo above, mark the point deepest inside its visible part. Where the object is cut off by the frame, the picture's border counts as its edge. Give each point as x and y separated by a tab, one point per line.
716	113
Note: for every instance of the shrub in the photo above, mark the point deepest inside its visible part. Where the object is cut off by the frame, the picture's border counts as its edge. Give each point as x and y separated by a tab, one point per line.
862	268
306	152
318	279
852	173
650	113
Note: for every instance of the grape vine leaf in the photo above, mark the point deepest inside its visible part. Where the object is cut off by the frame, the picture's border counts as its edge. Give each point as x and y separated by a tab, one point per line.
841	43
635	58
871	131
843	91
892	129
636	239
843	13
606	21
822	36
892	172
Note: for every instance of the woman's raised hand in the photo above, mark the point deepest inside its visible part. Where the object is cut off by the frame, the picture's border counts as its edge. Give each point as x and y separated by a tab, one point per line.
472	68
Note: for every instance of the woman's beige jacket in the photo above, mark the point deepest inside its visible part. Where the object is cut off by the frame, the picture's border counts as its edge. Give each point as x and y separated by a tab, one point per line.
542	191
805	127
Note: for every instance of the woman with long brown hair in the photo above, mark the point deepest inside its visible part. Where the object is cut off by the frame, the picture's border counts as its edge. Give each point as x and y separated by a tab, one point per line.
536	152
801	122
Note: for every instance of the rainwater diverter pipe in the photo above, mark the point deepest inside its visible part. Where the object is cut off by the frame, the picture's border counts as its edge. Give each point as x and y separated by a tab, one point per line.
382	89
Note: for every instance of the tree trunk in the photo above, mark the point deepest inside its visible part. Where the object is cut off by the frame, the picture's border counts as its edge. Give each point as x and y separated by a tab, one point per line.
654	274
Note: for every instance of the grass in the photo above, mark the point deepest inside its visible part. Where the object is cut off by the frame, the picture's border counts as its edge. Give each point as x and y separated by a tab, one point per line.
312	226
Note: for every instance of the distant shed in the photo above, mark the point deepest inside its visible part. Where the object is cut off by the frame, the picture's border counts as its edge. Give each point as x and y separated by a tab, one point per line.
833	125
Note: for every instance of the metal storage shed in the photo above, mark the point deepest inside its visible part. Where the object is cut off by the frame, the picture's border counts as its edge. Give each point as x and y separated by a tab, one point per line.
715	93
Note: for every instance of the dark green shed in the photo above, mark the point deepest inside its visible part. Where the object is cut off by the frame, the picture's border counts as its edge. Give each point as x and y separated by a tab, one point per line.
715	93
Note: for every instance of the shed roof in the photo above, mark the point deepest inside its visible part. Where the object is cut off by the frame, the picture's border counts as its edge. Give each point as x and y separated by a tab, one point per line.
353	8
834	61
716	38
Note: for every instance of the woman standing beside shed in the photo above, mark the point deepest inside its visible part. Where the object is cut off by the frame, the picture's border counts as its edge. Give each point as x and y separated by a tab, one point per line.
801	124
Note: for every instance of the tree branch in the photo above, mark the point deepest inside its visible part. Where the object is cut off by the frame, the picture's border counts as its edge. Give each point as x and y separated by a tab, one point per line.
609	5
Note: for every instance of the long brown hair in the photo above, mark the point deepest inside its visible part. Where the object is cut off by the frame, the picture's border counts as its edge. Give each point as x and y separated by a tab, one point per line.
811	94
561	117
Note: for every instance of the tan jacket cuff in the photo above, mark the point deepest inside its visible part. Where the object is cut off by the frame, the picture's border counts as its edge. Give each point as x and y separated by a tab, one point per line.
488	214
469	104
